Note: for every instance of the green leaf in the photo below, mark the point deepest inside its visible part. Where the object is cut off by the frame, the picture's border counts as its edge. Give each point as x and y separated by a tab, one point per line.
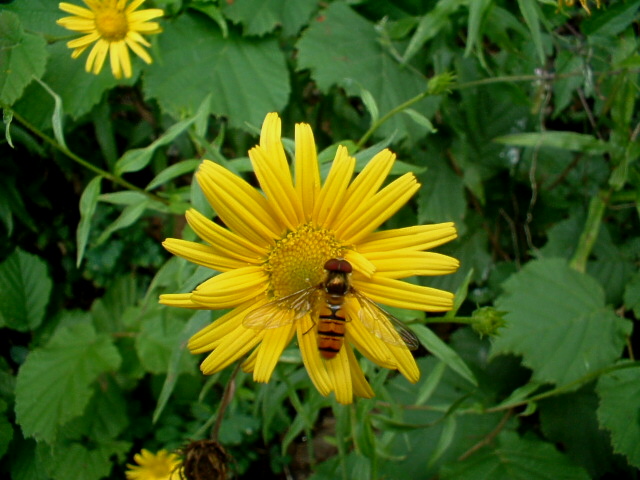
342	48
129	215
515	458
442	197
430	25
25	288
22	58
136	159
249	77
445	353
88	202
477	13
632	295
159	338
54	383
176	170
618	412
258	17
558	322
570	420
612	20
530	12
578	142
77	461
6	430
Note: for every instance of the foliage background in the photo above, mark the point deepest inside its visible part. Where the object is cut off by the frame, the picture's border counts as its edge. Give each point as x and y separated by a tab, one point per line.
521	123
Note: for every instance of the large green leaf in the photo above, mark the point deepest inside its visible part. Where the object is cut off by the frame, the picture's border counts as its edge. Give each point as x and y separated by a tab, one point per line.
557	320
515	458
619	411
22	57
262	16
25	288
54	383
248	78
78	461
342	48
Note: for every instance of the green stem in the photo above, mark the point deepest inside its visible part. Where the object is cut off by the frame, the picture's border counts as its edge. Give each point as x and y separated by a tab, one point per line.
590	232
81	161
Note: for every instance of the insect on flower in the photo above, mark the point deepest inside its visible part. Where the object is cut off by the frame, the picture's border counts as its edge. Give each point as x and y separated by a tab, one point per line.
325	301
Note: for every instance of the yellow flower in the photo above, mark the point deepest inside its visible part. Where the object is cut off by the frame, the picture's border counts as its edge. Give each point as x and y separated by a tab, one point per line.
114	27
159	466
280	247
584	4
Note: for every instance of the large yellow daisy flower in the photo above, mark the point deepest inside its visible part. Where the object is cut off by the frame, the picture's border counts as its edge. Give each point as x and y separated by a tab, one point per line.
114	27
154	466
286	250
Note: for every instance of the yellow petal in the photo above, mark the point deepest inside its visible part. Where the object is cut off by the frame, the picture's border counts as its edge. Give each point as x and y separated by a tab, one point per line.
361	387
420	237
239	205
407	365
231	349
370	214
407	263
210	336
182	300
201	254
224	241
278	188
331	196
313	362
306	169
76	10
274	342
232	288
340	375
397	293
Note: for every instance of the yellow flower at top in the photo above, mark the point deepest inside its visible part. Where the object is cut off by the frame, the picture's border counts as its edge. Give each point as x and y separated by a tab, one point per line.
113	27
584	4
158	466
303	258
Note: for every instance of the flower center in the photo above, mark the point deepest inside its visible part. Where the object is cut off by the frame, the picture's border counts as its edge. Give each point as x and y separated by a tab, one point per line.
297	259
111	22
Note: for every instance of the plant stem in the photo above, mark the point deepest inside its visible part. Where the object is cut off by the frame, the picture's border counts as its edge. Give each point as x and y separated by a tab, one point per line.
590	232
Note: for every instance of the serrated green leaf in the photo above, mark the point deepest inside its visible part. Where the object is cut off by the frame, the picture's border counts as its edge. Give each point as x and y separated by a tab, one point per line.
262	16
54	384
579	142
37	16
25	464
445	353
570	420
173	171
76	461
618	412
88	202
343	48
515	458
557	320
25	288
632	295
442	198
23	57
249	77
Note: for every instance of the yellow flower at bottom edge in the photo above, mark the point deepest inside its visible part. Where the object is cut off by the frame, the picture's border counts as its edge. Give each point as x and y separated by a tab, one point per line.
273	255
158	466
114	27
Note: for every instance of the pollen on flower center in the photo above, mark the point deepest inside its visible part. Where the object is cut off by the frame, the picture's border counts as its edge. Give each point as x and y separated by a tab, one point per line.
112	24
297	259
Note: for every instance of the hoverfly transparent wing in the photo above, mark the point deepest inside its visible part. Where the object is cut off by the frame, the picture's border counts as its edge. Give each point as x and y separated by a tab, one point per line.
384	325
282	311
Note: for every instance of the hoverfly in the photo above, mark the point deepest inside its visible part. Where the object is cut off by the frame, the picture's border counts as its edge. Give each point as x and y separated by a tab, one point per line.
325	301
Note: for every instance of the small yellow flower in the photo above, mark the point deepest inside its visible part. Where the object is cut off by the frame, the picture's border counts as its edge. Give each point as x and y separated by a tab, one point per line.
570	3
114	27
159	466
285	252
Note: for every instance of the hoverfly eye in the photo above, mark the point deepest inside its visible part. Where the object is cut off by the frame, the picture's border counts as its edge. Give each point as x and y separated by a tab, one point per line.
338	265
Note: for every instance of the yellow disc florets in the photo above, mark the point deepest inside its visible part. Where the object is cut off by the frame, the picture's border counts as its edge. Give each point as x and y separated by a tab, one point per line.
297	259
111	22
